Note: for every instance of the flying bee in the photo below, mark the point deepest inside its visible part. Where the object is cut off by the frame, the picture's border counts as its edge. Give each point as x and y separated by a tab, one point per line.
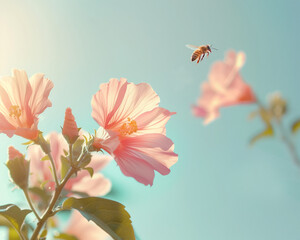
200	52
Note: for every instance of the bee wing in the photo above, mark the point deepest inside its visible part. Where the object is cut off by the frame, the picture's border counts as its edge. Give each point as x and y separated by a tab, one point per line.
191	46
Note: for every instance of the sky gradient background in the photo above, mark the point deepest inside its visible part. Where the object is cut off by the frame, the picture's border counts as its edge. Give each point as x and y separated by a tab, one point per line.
220	188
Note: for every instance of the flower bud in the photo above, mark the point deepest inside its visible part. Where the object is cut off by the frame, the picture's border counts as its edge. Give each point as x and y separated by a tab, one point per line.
70	130
18	167
277	105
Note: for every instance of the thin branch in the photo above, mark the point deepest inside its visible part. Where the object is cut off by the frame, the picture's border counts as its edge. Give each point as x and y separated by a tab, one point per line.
49	212
53	169
290	145
30	204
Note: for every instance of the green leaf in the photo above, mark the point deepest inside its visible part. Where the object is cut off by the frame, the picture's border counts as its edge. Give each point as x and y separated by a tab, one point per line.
90	170
109	215
268	132
28	143
296	126
77	149
78	193
14	215
45	158
266	118
86	140
64	236
45	182
66	152
13	234
65	166
43	234
44	195
85	161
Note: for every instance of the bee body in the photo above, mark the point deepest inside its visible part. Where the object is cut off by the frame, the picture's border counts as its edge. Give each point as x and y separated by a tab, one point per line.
199	52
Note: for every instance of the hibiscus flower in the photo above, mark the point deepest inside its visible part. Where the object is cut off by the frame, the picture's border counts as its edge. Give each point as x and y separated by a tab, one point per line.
21	102
225	87
130	114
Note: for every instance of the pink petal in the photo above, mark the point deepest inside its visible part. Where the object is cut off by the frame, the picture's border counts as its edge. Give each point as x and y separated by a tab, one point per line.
153	140
99	162
153	121
98	185
137	155
84	229
41	88
20	88
40	170
6	127
134	167
117	101
16	91
199	111
57	144
27	133
107	100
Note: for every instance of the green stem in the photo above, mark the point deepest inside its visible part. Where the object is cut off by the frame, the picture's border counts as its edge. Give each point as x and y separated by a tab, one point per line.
70	152
45	146
53	169
288	142
49	212
30	204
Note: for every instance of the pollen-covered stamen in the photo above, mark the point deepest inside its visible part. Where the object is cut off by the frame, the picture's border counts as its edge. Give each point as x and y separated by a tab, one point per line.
128	128
15	111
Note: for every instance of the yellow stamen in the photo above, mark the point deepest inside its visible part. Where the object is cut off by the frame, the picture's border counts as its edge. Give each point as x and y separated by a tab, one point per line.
15	111
128	128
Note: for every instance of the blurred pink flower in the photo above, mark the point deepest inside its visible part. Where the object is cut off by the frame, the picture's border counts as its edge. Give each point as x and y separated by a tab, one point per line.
83	229
225	87
98	185
21	101
131	112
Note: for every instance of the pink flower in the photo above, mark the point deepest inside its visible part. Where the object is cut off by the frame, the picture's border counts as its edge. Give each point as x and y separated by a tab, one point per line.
98	185
131	112
21	102
84	229
225	87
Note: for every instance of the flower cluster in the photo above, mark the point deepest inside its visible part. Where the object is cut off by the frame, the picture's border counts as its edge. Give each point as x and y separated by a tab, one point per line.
66	165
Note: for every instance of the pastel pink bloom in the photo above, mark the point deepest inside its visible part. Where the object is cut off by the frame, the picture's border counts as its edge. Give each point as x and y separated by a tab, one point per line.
21	102
98	185
84	229
70	129
225	87
132	113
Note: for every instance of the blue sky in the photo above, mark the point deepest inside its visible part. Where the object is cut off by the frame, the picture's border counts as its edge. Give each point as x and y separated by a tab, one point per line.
220	188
